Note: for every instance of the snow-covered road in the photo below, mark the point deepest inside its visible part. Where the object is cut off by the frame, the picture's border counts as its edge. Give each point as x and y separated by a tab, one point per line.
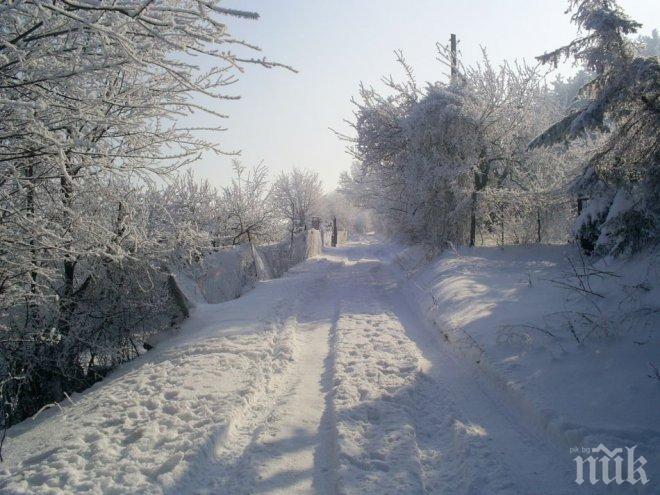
324	381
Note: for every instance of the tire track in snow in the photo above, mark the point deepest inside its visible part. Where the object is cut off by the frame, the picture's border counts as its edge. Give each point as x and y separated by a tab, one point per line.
222	460
481	445
413	419
375	369
325	455
274	451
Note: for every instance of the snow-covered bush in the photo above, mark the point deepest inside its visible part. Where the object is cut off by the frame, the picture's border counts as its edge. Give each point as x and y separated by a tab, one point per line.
246	206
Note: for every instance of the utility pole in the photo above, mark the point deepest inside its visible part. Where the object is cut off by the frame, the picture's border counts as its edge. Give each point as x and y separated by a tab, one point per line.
454	58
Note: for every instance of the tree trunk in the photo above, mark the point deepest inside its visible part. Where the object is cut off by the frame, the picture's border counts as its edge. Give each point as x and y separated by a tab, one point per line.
502	225
66	298
293	229
30	213
479	184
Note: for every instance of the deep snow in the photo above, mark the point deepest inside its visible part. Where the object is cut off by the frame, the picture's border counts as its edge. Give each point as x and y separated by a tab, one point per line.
330	380
511	312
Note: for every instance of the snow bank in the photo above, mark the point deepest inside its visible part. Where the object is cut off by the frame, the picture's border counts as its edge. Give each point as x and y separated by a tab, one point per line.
223	275
314	245
150	425
513	314
227	273
282	256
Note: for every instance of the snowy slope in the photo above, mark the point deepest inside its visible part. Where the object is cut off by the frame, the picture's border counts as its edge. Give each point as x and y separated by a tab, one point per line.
510	312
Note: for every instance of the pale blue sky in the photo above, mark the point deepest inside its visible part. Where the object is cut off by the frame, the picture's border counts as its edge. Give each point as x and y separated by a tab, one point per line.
284	118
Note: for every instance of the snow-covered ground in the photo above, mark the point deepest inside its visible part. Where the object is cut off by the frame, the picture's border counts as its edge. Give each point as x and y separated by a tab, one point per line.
329	380
513	314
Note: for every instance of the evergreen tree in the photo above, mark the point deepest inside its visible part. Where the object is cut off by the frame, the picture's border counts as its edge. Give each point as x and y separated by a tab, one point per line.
622	178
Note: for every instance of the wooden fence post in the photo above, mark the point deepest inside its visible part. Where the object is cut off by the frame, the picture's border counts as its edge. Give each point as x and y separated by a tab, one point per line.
334	232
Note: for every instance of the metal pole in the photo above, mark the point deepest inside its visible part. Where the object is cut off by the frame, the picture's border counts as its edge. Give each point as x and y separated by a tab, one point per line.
454	59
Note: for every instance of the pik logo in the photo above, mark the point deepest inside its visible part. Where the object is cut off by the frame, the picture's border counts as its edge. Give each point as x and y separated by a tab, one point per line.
610	466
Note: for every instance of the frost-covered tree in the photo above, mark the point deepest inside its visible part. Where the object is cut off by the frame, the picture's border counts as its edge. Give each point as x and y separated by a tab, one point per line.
246	205
91	96
649	45
433	160
508	105
337	205
622	178
295	194
565	89
184	216
376	180
413	149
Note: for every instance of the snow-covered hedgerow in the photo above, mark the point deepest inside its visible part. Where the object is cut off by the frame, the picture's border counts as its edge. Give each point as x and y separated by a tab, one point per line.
228	272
